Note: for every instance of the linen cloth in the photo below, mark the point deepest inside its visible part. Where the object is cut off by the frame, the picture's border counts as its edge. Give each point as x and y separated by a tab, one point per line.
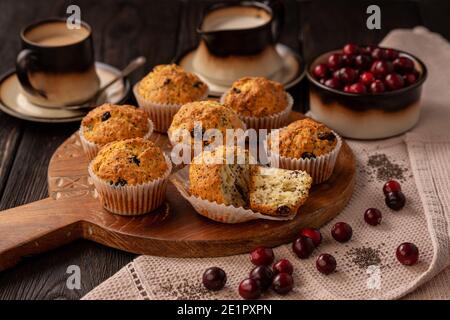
367	266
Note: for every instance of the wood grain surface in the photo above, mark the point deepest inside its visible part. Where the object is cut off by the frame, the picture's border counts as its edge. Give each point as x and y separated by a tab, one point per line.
159	30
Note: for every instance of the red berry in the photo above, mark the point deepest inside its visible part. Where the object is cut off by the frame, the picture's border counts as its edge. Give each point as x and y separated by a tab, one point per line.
362	61
342	232
373	216
391	186
377	87
249	289
381	68
391	54
368	49
326	263
395	200
214	278
262	274
262	256
334	61
346	75
379	54
313	234
403	65
347	88
348	60
333	83
283	266
367	78
282	283
350	49
303	247
407	253
357	88
394	81
320	71
410	78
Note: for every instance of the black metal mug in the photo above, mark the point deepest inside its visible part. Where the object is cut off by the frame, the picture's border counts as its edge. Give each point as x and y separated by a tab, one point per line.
56	65
245	40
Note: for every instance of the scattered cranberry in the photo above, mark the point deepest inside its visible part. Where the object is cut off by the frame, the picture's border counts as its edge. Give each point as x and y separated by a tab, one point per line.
391	54
379	54
346	75
342	232
403	65
283	283
334	61
377	87
394	81
395	200
249	289
262	256
320	71
358	88
410	78
407	253
391	186
367	78
350	49
283	266
303	247
262	274
373	216
326	263
381	68
362	61
214	278
313	234
333	83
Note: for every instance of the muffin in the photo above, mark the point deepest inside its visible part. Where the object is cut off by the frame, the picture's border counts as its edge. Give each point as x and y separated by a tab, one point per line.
306	145
278	192
164	90
210	114
130	176
108	123
261	103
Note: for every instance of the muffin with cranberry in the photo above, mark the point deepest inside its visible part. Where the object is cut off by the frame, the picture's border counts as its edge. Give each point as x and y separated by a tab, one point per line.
305	145
108	123
164	90
261	103
130	176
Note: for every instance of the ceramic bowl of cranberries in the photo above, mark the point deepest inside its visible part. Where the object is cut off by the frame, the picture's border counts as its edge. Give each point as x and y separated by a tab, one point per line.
366	92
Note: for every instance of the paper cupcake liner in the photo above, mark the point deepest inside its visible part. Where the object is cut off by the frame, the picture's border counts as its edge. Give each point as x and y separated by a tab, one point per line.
274	121
320	169
132	200
160	113
213	210
91	149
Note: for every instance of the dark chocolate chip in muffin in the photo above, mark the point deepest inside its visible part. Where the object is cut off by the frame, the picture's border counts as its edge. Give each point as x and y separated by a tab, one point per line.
135	160
106	116
283	210
121	182
308	155
197	84
326	136
236	90
167	81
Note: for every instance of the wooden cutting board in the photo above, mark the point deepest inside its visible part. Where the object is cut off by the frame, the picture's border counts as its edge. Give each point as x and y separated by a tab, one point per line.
73	211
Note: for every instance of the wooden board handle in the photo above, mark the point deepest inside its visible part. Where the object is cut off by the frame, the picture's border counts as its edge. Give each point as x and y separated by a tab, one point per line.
36	227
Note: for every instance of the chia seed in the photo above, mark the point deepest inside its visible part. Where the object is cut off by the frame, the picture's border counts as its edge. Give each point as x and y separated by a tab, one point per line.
384	169
363	257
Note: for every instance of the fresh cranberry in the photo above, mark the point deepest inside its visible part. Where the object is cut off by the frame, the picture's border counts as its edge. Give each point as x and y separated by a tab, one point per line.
367	78
346	75
391	186
350	49
403	65
342	232
377	87
249	289
347	88
283	266
320	71
303	247
407	253
282	283
379	54
348	60
262	256
313	234
395	200
358	88
394	81
391	54
373	216
333	83
335	61
326	263
368	49
322	81
264	275
362	61
214	278
410	78
381	68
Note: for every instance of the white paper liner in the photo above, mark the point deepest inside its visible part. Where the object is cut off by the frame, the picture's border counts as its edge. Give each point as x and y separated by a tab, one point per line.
160	113
274	121
132	200
320	168
91	149
213	210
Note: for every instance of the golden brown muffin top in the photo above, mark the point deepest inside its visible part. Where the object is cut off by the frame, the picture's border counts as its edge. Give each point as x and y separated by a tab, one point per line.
211	115
256	97
305	139
170	84
129	162
108	123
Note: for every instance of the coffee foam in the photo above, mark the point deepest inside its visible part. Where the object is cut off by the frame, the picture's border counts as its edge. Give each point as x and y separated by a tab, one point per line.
56	34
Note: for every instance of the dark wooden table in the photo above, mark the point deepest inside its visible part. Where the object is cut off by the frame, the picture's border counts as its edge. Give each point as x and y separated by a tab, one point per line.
158	30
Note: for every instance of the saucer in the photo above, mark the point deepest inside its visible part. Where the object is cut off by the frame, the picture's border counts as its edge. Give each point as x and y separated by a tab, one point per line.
292	71
14	102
